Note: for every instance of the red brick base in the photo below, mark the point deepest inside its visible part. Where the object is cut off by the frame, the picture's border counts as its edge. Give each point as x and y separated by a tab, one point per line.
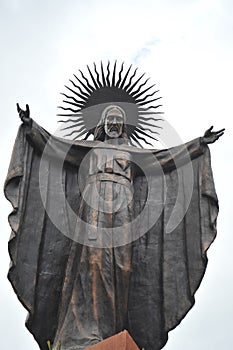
120	341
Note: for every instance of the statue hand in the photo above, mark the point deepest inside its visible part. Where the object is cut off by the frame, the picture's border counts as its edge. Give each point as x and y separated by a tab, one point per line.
24	115
212	136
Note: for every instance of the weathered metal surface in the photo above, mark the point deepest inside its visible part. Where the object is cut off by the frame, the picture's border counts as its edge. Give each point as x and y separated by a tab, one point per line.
80	264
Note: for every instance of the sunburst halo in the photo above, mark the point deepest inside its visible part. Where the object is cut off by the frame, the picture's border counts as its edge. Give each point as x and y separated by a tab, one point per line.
91	93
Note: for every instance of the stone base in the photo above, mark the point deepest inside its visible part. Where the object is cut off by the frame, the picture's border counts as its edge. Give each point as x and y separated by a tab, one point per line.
120	341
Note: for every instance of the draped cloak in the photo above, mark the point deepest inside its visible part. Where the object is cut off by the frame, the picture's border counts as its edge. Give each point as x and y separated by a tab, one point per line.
175	199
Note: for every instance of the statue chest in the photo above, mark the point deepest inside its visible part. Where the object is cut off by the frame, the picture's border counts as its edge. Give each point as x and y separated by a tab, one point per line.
111	161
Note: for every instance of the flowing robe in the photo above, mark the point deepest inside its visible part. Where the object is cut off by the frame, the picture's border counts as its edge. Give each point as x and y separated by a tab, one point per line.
99	299
145	281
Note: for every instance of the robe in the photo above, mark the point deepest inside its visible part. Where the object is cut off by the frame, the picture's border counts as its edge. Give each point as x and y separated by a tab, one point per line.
175	209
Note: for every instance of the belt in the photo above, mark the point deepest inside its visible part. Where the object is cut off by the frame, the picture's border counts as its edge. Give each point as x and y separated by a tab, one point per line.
117	178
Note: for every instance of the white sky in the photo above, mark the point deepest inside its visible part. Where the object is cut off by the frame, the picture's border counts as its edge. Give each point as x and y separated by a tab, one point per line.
186	47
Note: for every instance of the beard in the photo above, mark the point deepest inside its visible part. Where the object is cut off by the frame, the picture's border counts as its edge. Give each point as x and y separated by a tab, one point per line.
114	130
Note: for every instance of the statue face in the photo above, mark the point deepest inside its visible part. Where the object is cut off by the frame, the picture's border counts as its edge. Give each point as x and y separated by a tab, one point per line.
113	125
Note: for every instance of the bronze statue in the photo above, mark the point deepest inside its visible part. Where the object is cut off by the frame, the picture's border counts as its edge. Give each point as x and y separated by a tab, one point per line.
90	248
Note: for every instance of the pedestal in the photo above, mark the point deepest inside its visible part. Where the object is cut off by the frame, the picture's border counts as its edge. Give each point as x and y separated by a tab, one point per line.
120	341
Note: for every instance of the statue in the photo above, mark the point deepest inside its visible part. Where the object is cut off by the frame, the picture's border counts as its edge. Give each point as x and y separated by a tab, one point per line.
90	248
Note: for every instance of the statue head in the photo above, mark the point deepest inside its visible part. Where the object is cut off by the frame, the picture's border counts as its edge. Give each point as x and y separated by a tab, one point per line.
114	119
112	124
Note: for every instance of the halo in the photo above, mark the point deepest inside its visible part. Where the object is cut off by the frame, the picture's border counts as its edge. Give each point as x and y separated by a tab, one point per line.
93	92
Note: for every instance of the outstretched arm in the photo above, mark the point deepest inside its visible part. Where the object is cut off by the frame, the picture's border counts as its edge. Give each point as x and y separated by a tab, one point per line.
174	157
212	136
179	155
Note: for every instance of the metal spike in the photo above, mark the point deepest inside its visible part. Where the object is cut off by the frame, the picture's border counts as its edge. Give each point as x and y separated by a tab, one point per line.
108	75
78	87
146	102
92	77
81	105
69	115
77	130
114	74
145	97
142	138
97	76
69	109
87	81
85	87
120	73
139	88
146	129
145	134
149	124
76	93
73	126
80	134
131	78
143	109
150	118
125	77
135	140
71	97
134	84
70	120
83	96
102	73
144	91
150	113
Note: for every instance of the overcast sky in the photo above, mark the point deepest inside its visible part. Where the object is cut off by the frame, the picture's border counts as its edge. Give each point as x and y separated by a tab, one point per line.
186	47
